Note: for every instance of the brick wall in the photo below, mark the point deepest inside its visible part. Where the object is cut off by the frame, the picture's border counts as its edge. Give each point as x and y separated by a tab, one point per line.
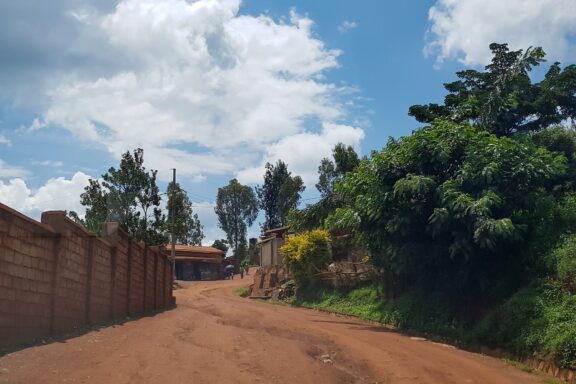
55	276
26	275
150	279
137	294
121	276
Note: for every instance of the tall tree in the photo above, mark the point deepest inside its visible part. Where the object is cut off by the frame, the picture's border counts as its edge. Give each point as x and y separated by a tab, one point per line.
279	194
502	99
236	208
128	195
187	227
94	198
329	173
253	252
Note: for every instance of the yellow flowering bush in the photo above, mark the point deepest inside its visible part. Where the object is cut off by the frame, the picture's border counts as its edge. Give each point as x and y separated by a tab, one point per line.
306	254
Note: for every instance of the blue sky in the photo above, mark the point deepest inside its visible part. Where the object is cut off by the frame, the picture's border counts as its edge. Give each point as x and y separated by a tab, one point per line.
216	88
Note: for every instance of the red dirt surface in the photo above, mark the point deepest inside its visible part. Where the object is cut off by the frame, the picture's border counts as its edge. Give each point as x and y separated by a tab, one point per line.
215	336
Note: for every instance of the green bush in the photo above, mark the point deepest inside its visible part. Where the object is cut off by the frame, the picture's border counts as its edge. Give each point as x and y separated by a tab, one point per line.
454	209
364	302
539	320
563	262
516	324
307	254
565	349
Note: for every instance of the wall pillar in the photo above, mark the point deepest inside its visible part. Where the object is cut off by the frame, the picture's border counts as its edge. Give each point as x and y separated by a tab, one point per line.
89	275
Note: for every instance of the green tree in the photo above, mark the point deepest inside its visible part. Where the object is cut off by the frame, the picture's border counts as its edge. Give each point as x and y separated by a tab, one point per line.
279	194
94	198
128	195
451	208
187	227
221	244
561	140
329	173
502	99
236	209
253	252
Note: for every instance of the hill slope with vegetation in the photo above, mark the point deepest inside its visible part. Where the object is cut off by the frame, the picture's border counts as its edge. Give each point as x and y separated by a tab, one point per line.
471	219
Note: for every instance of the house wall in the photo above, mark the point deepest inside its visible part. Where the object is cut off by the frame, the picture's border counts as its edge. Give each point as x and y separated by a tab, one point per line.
270	252
207	271
277	258
55	276
266	253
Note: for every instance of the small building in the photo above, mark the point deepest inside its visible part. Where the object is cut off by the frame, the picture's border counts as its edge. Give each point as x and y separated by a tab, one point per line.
197	262
270	244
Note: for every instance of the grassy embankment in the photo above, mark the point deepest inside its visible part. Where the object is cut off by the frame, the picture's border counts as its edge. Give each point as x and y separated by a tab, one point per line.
538	321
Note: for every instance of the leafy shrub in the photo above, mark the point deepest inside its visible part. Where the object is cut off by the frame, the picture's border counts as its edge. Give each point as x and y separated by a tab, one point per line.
514	325
565	351
307	254
452	208
539	320
563	260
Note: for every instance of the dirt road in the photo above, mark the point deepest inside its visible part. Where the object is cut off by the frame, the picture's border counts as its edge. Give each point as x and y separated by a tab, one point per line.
215	336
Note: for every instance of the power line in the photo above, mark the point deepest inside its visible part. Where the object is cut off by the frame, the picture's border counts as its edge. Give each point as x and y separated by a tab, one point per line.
312	198
196	194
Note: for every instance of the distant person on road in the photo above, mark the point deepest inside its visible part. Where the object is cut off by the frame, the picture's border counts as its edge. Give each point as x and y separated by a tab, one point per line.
229	269
241	272
247	267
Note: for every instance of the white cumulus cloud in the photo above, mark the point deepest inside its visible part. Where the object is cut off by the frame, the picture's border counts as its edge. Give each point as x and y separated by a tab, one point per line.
56	194
303	152
463	29
200	85
205	88
7	170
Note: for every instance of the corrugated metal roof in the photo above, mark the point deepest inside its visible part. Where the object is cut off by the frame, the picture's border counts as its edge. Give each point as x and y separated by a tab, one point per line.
279	229
196	249
211	260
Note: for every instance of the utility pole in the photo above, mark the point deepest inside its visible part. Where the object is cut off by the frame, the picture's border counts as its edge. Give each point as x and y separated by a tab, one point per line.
173	237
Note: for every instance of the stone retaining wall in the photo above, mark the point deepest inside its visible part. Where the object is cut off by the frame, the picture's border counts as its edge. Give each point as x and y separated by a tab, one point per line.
267	279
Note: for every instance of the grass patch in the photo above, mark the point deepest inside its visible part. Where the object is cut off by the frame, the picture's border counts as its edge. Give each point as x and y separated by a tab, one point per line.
414	311
554	381
243	292
517	364
361	302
